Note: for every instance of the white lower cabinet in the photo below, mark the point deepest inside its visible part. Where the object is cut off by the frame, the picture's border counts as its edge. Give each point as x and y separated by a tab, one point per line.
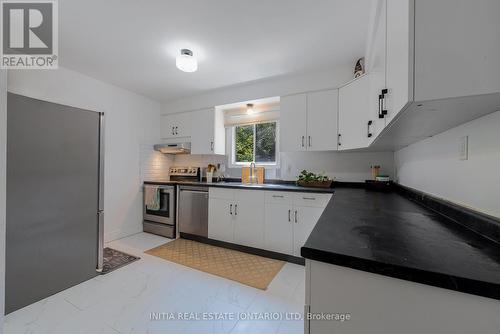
372	299
307	217
236	216
275	221
220	219
279	228
249	218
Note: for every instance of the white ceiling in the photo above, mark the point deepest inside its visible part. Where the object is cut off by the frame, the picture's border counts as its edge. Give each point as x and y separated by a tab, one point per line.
133	43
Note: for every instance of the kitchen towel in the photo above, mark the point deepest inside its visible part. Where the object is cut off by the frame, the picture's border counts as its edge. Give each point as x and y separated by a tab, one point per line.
152	197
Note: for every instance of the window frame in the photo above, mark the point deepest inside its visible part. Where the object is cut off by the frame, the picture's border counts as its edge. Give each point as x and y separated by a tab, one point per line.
232	147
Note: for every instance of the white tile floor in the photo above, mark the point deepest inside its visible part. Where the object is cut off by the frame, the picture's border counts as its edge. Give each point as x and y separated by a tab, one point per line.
122	301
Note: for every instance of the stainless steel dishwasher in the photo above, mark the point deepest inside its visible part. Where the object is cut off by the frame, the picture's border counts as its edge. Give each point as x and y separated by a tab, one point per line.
193	210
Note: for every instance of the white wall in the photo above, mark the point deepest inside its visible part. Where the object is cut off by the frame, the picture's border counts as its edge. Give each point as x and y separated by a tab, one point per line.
130	119
433	165
3	170
263	88
343	166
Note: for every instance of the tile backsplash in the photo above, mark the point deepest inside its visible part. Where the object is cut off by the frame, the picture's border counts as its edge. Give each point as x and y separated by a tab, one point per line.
351	167
347	167
154	165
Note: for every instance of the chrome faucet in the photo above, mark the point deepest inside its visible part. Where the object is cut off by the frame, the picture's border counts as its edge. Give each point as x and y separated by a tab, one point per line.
252	172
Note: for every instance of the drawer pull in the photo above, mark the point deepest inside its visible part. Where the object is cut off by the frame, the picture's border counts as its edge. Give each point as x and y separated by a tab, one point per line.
309	198
278	196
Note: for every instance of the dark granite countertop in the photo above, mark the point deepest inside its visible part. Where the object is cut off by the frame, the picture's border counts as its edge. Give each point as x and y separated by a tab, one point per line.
275	186
387	234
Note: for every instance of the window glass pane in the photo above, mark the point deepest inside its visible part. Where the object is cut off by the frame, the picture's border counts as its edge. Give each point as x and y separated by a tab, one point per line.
243	139
265	142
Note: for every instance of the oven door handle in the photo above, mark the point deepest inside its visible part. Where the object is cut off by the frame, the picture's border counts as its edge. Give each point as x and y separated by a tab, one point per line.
194	191
160	187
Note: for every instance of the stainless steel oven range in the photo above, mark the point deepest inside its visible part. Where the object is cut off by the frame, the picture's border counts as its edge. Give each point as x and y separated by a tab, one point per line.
161	221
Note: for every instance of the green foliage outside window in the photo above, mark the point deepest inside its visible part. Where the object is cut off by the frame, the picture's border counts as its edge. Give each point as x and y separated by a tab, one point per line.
265	143
255	143
244	143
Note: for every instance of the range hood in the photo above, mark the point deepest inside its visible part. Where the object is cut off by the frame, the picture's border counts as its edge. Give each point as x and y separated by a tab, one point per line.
177	148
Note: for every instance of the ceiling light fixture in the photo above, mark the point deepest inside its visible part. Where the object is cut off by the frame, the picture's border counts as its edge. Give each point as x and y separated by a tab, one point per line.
250	110
186	62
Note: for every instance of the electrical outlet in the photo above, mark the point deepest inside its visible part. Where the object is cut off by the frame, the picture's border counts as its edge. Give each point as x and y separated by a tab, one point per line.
464	148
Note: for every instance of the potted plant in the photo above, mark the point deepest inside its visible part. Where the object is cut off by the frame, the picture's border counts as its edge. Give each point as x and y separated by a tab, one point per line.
309	179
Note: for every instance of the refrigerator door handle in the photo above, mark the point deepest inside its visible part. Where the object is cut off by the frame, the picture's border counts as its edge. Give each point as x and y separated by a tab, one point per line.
100	245
100	210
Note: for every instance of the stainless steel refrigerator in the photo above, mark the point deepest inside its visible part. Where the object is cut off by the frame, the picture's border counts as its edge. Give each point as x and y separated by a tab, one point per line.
54	198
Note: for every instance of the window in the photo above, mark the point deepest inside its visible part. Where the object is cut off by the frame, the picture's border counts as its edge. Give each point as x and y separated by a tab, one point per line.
255	143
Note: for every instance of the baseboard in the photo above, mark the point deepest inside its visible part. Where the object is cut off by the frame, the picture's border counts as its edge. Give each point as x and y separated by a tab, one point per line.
245	249
120	234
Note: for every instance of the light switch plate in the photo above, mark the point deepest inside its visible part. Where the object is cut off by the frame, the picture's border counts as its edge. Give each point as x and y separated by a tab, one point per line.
464	148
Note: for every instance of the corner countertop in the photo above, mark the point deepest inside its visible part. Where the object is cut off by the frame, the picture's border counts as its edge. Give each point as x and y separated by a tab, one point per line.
387	234
275	186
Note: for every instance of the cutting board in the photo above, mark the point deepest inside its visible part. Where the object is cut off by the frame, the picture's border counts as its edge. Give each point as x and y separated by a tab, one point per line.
259	172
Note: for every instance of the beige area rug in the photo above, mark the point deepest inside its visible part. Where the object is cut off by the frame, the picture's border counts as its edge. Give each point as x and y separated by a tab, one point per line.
252	270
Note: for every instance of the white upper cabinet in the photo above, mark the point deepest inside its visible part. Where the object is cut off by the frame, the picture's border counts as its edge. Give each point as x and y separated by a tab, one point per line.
355	122
176	125
322	111
399	56
308	121
208	133
376	65
390	61
457	48
433	66
293	123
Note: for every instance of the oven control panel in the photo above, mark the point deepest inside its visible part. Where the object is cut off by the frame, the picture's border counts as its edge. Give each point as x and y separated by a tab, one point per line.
184	171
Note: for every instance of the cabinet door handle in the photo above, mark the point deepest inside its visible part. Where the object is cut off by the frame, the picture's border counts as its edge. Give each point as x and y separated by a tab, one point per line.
236	209
212	146
339	138
289	213
296	216
231	209
384	110
176	132
302	141
309	141
380	115
173	132
368	133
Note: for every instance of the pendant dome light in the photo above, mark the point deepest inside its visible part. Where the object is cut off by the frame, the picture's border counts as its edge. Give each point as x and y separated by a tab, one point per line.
186	62
250	109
